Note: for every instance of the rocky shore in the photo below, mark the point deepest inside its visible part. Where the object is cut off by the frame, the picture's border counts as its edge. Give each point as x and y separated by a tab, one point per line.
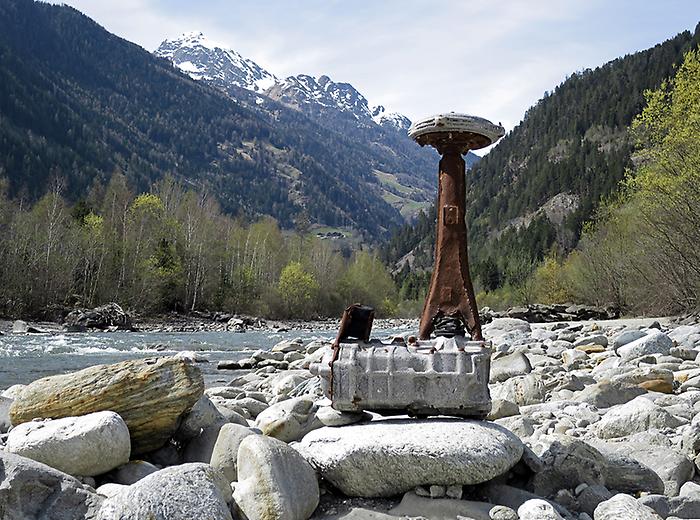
111	318
589	421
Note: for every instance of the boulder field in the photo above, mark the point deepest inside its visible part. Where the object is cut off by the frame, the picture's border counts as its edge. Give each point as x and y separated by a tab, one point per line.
589	422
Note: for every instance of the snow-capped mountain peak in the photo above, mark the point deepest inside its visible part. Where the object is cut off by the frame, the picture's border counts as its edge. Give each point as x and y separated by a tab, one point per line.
202	58
306	90
390	119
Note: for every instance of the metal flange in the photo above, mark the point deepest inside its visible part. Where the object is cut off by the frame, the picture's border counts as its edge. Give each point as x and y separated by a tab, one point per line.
458	130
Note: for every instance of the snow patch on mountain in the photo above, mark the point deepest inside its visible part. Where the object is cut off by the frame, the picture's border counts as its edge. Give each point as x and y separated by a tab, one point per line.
324	92
202	58
390	119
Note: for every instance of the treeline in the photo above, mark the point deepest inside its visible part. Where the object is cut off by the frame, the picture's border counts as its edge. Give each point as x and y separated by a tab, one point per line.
172	249
640	253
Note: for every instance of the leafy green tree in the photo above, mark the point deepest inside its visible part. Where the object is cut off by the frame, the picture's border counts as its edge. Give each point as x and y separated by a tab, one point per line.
641	253
298	290
368	281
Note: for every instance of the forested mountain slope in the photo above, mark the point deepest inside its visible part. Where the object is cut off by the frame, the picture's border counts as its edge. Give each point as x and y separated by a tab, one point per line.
406	172
534	191
79	103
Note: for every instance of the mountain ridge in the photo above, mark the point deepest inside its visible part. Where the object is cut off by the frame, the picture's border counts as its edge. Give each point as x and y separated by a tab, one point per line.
405	172
204	59
80	103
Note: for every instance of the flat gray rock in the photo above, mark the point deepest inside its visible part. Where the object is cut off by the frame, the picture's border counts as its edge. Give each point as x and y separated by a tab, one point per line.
655	342
389	457
441	508
627	336
638	415
186	492
30	490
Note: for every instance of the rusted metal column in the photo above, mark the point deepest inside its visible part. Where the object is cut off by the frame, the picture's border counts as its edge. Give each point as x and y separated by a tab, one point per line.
451	305
451	293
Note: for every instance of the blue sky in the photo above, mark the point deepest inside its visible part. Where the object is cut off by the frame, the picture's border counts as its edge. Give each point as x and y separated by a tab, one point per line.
489	58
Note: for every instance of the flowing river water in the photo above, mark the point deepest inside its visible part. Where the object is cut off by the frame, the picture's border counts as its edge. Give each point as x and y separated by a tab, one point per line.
26	357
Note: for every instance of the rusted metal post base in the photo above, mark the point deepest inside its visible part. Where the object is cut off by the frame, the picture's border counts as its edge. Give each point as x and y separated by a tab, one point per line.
451	294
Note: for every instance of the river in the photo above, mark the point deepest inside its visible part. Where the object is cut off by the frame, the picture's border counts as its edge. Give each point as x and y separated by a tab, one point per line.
26	357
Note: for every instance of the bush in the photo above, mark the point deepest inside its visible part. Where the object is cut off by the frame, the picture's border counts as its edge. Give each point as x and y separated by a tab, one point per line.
298	290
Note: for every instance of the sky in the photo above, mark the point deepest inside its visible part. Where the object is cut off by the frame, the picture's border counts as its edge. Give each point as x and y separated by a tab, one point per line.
489	58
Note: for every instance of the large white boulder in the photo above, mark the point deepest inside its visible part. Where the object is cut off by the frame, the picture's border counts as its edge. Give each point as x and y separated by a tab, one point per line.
88	445
624	507
687	336
186	492
289	420
274	481
655	342
638	415
225	452
388	457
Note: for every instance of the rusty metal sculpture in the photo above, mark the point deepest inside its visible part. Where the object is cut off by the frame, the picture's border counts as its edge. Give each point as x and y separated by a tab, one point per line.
451	305
447	374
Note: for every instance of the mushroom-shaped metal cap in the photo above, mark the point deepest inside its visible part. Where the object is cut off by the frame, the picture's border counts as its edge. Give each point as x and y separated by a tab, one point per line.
461	130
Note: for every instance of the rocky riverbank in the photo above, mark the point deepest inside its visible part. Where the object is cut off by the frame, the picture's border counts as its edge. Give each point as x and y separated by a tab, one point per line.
111	317
196	322
589	421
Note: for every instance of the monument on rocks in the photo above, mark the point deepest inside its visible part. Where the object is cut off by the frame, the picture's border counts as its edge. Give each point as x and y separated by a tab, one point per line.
445	371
